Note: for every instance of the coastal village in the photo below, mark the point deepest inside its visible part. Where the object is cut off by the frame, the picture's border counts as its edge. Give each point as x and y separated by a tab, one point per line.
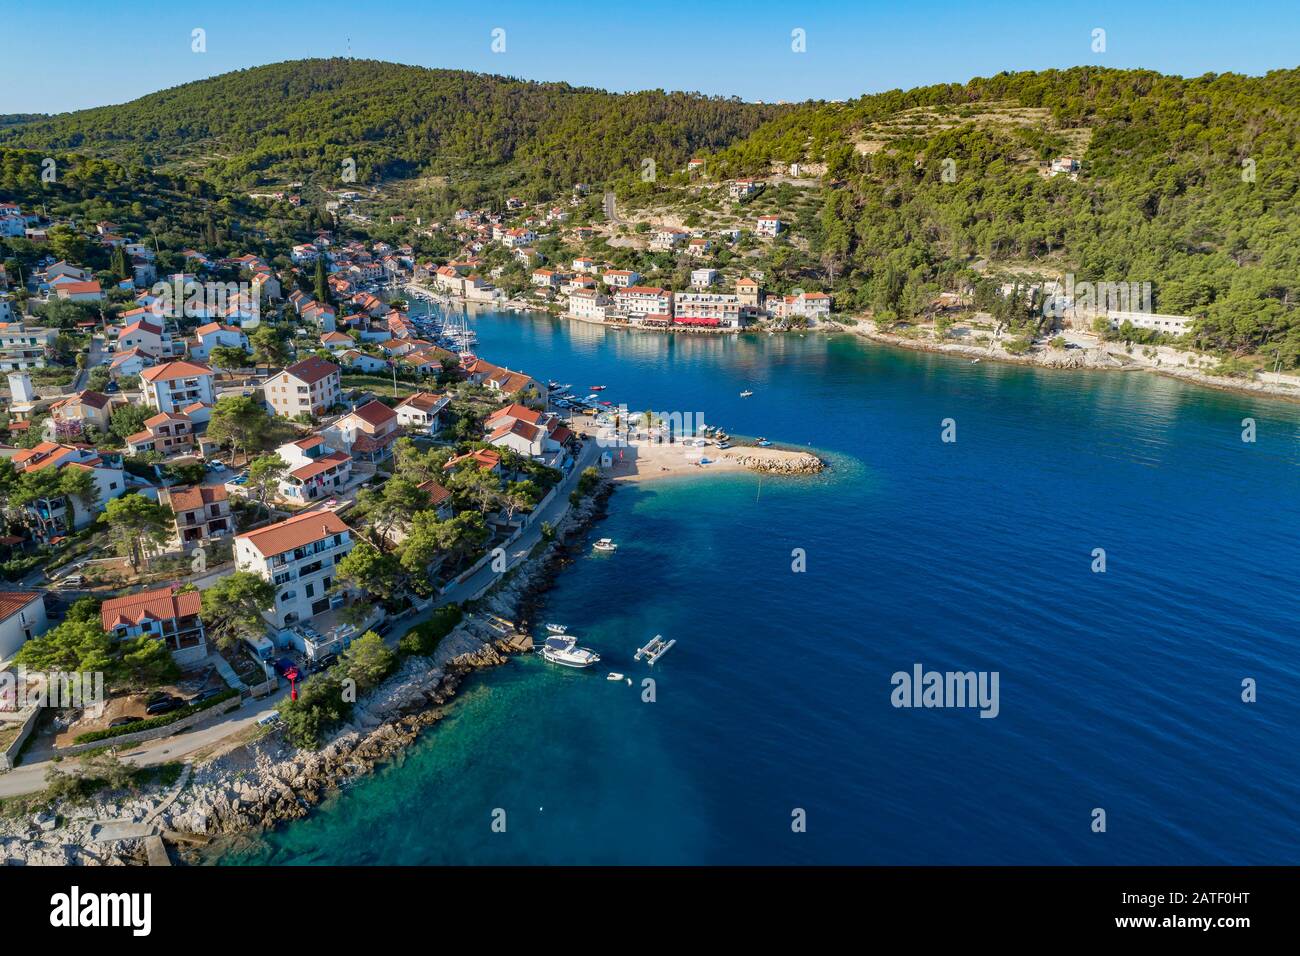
230	489
236	489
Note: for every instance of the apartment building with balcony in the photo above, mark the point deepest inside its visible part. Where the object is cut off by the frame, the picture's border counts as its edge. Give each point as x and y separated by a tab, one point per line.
202	513
310	387
316	469
174	386
710	309
297	556
24	346
366	433
168	433
422	412
639	301
56	515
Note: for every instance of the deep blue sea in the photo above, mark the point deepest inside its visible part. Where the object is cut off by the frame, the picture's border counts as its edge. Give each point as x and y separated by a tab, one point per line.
1119	690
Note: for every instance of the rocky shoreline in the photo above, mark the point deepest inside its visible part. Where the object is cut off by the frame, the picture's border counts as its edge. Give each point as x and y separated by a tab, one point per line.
796	463
1099	359
268	781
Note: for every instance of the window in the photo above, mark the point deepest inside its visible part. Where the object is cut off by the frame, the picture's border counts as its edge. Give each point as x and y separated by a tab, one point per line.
287	596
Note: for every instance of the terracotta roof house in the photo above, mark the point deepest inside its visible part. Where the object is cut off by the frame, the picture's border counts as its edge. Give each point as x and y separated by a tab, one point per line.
22	617
202	513
310	387
167	613
297	556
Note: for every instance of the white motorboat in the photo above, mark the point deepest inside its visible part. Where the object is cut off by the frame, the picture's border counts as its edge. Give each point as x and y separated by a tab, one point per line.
605	545
746	393
563	649
557	628
614	675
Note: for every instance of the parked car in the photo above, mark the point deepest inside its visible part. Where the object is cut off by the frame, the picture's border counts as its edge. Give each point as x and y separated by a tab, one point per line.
122	721
216	466
272	718
208	694
283	665
165	706
72	581
329	660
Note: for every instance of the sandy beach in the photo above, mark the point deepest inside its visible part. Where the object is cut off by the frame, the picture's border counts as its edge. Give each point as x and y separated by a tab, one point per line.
645	462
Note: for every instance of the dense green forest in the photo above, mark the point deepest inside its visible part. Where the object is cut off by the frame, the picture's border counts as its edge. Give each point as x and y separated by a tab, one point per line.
1189	184
301	120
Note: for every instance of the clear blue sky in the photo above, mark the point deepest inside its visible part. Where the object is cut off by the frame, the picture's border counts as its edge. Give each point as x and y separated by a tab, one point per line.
68	54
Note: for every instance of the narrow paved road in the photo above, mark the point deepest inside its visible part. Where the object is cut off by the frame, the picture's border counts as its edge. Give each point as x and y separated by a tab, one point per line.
30	778
519	550
611	211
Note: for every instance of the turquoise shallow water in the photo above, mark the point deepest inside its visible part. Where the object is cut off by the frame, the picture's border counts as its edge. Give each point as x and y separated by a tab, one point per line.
1118	690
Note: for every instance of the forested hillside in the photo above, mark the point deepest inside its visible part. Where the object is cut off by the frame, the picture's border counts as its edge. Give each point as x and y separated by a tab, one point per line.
1190	184
300	120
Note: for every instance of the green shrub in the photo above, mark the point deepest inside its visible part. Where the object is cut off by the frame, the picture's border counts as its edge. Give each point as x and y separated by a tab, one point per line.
423	639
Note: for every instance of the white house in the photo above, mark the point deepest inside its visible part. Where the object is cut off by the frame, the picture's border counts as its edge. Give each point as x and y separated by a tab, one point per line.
297	556
588	305
621	278
422	412
166	614
57	515
22	617
639	301
310	387
174	386
316	469
214	335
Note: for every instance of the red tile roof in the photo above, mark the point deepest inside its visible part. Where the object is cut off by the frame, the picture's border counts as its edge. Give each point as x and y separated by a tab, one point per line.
520	412
311	370
375	412
160	604
11	602
195	498
321	465
295	532
437	493
173	370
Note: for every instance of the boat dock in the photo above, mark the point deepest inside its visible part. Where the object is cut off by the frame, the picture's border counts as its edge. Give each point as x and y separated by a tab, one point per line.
654	649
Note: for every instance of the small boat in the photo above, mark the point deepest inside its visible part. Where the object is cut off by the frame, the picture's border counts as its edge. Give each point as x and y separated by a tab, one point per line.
763	443
723	446
654	649
746	393
614	676
557	628
562	649
974	361
598	388
605	545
